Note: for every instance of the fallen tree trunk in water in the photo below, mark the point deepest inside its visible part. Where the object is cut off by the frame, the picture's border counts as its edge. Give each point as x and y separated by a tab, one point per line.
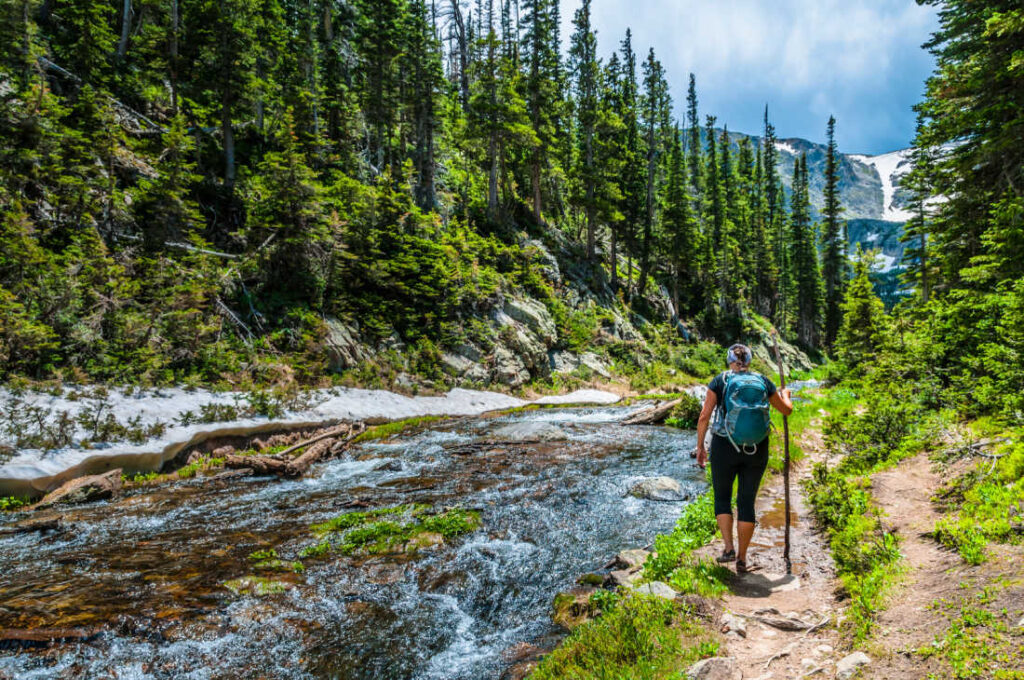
655	415
283	466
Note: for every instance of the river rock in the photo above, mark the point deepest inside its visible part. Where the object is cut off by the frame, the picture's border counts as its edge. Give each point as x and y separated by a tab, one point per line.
658	489
657	589
715	668
631	560
850	664
621	578
531	431
84	490
391	465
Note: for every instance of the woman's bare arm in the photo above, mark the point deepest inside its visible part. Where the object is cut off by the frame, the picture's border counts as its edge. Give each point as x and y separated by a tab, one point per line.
782	402
710	401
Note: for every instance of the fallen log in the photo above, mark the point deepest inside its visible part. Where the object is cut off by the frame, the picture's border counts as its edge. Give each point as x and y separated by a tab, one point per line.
655	415
318	447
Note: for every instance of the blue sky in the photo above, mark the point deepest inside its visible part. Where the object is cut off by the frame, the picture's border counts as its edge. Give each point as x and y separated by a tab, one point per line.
860	61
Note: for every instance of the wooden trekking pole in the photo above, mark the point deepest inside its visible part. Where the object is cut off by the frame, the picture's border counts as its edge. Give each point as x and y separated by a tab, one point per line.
785	445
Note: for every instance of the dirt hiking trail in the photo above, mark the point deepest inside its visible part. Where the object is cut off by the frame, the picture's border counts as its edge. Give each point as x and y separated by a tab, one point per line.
778	626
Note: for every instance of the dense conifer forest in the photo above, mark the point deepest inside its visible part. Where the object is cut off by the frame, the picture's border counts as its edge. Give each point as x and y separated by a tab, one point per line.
191	189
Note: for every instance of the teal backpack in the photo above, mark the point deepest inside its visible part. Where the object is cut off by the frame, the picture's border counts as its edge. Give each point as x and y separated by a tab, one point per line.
743	415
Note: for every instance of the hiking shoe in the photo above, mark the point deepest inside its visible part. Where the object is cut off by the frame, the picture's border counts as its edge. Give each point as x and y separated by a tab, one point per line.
741	567
727	556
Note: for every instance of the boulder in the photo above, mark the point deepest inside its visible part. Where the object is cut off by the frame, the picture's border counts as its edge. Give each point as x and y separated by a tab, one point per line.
715	668
631	560
621	578
657	589
850	664
658	489
531	431
456	364
560	361
595	364
509	368
83	490
342	345
534	316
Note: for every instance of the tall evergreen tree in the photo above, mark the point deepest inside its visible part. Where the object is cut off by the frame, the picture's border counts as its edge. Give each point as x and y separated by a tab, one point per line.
833	248
656	105
680	229
806	271
586	72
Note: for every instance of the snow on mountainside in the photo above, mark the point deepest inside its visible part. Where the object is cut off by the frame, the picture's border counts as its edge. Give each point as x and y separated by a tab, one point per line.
891	168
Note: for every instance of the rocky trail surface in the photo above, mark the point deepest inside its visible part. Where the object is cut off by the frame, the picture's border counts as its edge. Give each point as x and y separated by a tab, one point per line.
780	626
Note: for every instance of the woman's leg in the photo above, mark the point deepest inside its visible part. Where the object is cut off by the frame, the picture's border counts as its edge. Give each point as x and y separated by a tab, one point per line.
749	474
723	474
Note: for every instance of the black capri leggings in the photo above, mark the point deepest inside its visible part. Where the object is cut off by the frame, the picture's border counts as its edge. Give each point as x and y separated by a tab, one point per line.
726	465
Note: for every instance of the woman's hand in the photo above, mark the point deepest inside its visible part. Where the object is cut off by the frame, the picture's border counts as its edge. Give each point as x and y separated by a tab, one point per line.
702	456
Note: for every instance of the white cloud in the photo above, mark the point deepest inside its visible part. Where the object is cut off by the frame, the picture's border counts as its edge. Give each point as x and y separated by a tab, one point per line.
822	52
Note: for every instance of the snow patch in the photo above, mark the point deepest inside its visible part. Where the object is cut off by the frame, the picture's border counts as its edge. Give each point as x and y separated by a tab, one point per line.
33	471
891	168
884	263
786	147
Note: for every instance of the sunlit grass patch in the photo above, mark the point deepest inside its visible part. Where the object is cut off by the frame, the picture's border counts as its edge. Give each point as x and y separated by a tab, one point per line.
637	636
396	529
397	427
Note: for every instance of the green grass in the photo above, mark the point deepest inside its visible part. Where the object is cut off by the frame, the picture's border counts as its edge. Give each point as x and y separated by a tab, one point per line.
979	643
387	530
986	505
638	638
397	427
13	503
203	464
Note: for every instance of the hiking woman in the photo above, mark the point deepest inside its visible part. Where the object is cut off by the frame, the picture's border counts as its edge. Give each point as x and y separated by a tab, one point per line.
739	445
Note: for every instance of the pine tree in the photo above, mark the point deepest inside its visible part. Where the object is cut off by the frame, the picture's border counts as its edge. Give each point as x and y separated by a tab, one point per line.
586	72
656	105
865	324
633	183
806	271
543	94
680	229
833	248
285	205
165	210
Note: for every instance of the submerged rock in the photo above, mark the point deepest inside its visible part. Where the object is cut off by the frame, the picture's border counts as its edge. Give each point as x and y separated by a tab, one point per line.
531	431
257	585
715	668
658	489
84	490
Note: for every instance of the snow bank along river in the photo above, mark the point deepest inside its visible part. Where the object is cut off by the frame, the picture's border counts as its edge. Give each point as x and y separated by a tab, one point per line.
31	472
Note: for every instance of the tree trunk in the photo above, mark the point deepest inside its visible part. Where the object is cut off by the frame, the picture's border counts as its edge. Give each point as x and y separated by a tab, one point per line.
492	178
227	129
126	23
173	54
535	181
460	34
615	262
652	415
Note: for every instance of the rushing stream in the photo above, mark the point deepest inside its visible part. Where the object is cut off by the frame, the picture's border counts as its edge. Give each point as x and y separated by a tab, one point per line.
147	570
